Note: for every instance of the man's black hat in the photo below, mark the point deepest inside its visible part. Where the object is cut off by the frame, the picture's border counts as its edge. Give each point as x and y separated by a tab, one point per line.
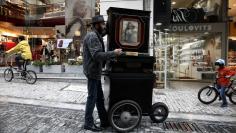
97	19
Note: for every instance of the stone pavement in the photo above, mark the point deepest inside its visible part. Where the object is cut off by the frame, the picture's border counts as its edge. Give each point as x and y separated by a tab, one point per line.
45	91
186	101
178	100
54	96
20	118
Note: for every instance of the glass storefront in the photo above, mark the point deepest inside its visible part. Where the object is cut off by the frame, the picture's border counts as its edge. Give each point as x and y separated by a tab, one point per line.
187	49
46	24
189	55
232	45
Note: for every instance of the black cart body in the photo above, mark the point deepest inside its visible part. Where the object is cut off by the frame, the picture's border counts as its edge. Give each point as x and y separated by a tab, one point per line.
130	76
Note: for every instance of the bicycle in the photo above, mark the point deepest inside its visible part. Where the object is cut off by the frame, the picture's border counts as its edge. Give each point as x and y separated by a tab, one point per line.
211	92
28	75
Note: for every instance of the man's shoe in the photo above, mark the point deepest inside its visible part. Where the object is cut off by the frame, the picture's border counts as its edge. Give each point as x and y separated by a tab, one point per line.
99	127
224	105
93	128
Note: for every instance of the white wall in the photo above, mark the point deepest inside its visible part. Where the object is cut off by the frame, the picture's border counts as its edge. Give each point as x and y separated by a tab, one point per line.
131	4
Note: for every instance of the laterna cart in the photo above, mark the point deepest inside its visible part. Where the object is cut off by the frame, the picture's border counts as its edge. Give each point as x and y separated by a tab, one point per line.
129	78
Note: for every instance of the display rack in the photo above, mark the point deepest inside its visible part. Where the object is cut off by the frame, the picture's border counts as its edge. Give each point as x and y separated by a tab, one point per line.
192	60
160	64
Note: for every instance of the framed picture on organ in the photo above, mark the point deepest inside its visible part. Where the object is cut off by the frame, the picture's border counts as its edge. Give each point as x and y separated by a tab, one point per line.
130	34
128	29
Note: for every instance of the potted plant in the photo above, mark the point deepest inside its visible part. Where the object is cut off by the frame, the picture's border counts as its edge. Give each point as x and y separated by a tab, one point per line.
36	66
74	67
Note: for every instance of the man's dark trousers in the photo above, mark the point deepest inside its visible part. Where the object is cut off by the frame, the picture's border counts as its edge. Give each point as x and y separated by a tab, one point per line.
18	58
95	96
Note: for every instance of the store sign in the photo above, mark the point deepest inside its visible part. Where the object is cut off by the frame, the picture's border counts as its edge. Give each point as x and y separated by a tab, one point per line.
185	15
2	2
191	28
198	27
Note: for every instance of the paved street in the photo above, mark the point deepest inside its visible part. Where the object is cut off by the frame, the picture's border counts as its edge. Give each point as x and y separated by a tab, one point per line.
178	100
59	107
20	118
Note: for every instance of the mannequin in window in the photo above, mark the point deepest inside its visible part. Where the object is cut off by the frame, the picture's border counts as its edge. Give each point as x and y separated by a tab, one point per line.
44	53
80	11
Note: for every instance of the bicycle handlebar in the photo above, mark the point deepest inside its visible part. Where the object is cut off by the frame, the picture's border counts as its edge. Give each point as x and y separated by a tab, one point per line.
8	57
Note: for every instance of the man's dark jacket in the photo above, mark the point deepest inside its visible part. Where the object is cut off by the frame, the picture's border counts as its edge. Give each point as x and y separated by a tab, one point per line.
94	55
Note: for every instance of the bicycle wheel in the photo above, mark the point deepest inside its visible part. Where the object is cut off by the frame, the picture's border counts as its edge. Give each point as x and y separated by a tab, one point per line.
30	77
207	95
8	75
232	97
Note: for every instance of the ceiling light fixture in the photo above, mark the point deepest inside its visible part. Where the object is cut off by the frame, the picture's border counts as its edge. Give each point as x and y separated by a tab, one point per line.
158	24
173	3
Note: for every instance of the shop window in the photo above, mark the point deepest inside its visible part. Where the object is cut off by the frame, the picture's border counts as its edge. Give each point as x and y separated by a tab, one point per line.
189	56
232	52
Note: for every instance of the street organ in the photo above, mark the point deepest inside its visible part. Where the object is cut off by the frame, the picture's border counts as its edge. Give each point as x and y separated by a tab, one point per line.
130	78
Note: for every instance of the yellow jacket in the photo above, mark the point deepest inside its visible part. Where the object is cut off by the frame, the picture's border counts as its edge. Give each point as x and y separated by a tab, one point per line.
24	48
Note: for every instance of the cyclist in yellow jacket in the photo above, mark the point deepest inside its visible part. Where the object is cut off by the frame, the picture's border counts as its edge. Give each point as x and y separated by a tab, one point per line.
23	51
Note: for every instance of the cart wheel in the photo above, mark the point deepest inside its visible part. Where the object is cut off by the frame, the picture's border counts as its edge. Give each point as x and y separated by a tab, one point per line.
159	112
125	115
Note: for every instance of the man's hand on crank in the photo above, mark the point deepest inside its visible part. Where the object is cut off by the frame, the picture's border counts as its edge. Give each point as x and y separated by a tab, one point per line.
118	51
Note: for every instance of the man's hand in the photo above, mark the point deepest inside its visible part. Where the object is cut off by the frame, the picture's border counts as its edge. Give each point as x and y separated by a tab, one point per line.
118	51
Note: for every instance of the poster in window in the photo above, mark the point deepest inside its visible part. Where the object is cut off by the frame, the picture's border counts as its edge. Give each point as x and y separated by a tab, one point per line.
77	12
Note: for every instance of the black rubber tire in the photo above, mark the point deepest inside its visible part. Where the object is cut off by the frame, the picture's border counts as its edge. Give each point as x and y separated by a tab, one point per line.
232	100
33	77
213	91
164	116
119	105
11	74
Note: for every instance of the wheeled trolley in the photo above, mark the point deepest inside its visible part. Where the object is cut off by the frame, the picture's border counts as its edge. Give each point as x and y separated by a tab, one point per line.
129	78
130	98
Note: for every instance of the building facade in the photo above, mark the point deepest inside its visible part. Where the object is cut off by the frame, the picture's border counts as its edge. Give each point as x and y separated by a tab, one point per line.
196	35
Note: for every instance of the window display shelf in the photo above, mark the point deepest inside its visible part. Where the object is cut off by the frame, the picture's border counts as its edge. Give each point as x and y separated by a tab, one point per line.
232	64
